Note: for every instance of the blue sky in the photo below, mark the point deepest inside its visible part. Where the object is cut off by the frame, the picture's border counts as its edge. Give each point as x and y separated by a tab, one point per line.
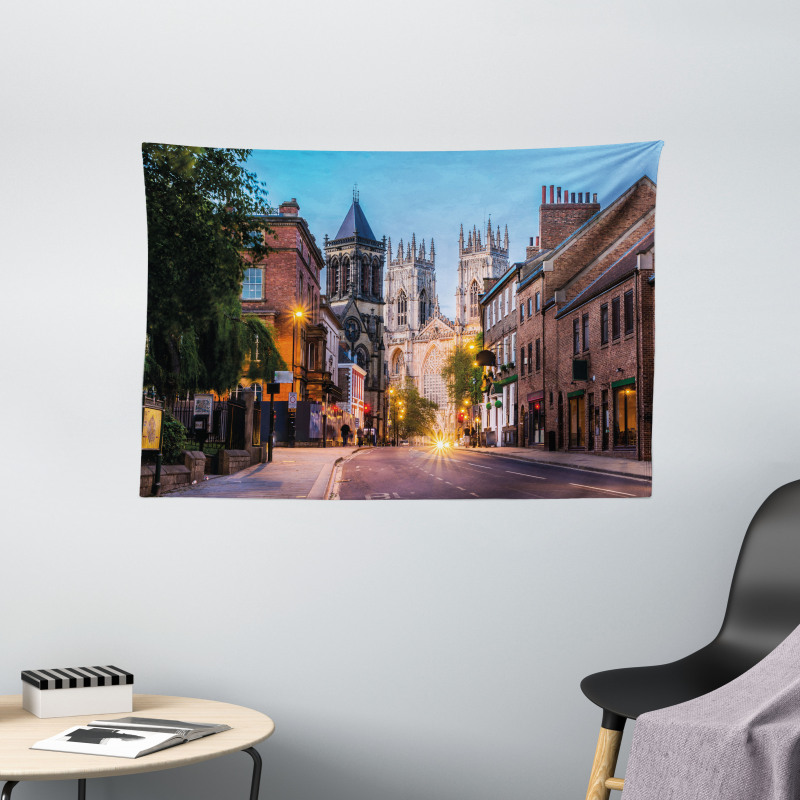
432	193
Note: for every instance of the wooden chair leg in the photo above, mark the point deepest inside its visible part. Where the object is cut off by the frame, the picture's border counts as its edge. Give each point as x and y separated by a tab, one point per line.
605	761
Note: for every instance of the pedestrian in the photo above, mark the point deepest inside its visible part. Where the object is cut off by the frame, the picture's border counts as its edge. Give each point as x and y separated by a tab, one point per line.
360	437
345	434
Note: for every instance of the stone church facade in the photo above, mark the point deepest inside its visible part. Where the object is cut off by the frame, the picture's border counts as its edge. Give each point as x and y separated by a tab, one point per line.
418	337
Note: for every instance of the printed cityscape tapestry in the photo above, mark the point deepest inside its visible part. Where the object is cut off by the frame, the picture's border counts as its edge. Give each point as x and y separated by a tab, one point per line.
399	325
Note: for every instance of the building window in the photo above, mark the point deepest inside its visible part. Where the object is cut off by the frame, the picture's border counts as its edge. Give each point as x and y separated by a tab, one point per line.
576	336
252	284
473	299
585	325
423	308
604	323
625	416
530	306
538	355
376	278
615	318
530	356
433	386
629	311
402	309
502	309
538	302
522	312
576	411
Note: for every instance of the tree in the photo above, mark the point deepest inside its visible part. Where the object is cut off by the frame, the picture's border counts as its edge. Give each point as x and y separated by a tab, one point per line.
462	376
410	413
203	210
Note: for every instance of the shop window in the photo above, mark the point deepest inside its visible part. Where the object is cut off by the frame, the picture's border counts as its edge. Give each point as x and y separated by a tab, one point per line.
625	416
576	413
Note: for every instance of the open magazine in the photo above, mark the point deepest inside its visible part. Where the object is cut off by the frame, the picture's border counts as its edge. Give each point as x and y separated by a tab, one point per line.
127	737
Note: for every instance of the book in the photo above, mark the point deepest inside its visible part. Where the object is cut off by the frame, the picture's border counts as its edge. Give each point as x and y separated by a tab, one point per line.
127	737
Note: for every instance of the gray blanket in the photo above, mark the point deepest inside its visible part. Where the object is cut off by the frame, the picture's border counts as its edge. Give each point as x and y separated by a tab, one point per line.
740	742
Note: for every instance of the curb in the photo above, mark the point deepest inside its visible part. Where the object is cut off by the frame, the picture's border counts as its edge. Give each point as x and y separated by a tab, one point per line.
583	468
335	469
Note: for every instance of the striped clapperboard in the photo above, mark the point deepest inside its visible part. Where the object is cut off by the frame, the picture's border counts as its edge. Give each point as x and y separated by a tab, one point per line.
73	691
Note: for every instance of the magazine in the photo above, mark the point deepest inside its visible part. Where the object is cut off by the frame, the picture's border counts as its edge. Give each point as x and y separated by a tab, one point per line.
127	737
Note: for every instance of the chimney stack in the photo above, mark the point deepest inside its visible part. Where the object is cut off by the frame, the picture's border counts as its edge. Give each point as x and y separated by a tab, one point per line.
289	208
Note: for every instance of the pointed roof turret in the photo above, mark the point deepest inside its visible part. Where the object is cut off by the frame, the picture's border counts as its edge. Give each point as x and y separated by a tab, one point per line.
505	241
355	223
433	251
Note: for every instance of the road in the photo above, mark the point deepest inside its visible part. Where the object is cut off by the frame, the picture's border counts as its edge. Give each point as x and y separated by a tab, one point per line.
424	473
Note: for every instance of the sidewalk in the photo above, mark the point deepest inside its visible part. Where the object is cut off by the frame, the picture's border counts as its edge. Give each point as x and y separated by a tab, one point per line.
611	466
295	472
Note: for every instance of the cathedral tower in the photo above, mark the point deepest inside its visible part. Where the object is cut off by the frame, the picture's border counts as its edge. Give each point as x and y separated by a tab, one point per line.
410	286
478	260
354	264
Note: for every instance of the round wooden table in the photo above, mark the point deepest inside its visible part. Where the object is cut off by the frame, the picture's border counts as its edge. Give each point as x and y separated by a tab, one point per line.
19	729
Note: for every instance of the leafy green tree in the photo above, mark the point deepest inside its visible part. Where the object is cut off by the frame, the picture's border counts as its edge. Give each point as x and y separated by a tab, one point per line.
203	209
410	413
462	377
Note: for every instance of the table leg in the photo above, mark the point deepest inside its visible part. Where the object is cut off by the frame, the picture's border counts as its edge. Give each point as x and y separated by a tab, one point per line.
256	781
9	785
81	788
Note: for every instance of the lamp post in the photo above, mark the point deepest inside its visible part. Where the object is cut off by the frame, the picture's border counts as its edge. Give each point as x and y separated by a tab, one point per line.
295	317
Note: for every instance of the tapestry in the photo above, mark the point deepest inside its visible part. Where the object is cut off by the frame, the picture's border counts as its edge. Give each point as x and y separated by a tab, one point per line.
400	325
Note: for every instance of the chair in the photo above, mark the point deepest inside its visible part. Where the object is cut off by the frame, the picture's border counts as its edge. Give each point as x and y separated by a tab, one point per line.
763	609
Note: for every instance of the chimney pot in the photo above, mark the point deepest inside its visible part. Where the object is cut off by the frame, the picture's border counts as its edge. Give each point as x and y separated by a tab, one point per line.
573	198
558	194
552	194
580	197
531	241
537	241
594	197
544	194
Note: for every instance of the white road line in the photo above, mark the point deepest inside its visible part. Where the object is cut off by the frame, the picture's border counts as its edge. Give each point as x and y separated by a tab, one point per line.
461	488
448	483
478	465
474	495
439	479
598	489
525	474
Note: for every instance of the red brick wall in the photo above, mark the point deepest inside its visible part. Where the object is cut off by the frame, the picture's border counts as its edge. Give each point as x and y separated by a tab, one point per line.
527	333
558	221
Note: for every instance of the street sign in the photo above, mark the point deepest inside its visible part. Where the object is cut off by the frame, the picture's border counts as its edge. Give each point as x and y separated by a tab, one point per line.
203	404
293	401
273	388
283	376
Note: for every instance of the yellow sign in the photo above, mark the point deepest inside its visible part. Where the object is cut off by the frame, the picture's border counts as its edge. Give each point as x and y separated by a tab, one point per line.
151	428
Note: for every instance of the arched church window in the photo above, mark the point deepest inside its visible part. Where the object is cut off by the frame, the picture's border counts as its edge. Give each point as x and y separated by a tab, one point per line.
402	309
365	282
423	308
473	299
433	385
346	277
334	268
361	358
376	277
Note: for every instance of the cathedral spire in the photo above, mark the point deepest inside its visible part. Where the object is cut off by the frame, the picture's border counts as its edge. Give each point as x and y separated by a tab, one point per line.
400	250
498	237
422	251
389	250
505	242
433	251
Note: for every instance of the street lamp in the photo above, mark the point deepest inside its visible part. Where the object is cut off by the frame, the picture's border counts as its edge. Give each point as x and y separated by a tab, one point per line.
295	317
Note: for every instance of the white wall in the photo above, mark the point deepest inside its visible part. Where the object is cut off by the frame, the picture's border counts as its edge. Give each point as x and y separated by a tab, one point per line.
435	653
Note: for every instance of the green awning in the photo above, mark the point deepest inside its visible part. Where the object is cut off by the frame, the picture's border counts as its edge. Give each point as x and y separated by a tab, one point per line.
623	382
505	381
578	393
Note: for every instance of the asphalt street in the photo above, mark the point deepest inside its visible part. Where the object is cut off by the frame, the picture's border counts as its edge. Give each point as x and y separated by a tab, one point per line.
422	473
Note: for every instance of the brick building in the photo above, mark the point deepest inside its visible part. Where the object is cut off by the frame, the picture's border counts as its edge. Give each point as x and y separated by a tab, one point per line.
284	292
499	411
580	386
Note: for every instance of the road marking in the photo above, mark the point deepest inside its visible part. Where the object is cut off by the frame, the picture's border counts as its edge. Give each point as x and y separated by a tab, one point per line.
394	494
379	496
461	488
598	489
448	483
439	479
525	474
478	465
474	495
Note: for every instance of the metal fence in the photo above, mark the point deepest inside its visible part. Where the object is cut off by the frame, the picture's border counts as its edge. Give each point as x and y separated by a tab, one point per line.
218	424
